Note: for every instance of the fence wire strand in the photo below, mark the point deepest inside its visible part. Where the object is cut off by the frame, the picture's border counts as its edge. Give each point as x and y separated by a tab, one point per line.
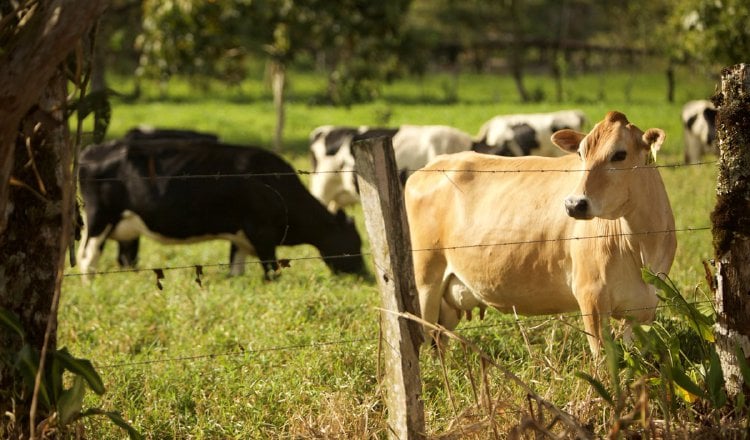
465	329
300	172
367	254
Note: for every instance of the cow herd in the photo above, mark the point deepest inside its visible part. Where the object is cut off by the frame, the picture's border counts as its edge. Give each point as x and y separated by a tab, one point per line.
533	216
333	181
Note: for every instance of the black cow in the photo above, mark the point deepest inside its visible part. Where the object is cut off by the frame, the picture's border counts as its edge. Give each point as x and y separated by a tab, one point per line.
181	190
127	254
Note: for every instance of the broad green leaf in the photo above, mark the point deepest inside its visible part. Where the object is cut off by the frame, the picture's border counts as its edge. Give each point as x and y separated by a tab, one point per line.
27	363
706	308
699	322
81	367
117	419
613	361
71	401
685	395
715	381
742	362
598	386
54	373
11	322
686	383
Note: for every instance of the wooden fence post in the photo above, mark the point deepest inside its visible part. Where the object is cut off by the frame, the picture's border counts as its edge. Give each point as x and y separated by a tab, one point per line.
387	227
731	223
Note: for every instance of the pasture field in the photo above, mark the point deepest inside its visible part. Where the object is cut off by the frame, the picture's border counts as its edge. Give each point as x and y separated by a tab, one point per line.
237	357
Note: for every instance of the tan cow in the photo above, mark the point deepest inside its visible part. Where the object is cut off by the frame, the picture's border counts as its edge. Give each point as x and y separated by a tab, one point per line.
495	231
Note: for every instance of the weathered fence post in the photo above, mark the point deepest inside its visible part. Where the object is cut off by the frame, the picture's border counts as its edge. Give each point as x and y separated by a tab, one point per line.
387	227
731	223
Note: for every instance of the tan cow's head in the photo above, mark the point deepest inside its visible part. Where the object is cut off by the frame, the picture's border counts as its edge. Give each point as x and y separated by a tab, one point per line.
610	154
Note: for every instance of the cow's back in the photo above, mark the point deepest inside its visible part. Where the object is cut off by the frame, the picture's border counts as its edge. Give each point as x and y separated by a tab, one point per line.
415	145
499	240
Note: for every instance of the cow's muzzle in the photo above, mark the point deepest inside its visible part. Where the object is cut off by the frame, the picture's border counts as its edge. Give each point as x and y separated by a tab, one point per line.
578	207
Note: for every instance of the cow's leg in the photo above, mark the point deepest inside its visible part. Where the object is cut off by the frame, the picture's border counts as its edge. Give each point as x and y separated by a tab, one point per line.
693	148
90	250
237	258
127	252
640	311
428	274
595	311
267	254
271	269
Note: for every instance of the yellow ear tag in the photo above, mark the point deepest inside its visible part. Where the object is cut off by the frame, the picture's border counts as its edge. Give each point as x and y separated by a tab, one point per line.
651	159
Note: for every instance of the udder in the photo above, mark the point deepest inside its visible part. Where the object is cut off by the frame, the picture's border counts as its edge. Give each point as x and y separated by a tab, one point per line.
458	299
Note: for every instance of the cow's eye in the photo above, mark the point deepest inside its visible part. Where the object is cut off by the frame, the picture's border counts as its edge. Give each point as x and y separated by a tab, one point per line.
619	156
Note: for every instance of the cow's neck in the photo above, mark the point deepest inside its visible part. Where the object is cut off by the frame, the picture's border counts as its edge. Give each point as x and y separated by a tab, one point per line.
311	225
647	222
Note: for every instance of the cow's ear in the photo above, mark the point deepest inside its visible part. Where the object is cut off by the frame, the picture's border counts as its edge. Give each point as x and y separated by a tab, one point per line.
654	138
567	139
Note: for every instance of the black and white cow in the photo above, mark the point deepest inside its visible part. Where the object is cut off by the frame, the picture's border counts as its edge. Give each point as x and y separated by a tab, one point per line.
527	134
127	254
699	127
334	181
188	190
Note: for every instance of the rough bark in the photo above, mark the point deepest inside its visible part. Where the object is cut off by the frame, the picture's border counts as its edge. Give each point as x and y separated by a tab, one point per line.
50	31
35	195
731	223
32	249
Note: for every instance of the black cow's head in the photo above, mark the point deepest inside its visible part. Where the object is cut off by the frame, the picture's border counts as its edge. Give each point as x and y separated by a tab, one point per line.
342	247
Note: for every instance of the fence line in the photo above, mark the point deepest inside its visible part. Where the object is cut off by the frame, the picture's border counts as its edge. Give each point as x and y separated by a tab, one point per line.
199	267
285	261
306	172
313	345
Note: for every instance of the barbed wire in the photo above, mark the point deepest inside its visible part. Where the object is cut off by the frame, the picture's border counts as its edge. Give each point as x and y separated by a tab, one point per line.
285	261
299	172
317	345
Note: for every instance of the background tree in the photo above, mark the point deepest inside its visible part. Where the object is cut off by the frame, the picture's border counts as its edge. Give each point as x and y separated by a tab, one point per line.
355	40
711	33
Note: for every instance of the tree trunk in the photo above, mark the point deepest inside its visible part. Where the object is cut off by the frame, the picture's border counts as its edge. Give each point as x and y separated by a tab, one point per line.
32	249
41	43
731	223
516	51
278	84
560	69
670	82
34	175
99	67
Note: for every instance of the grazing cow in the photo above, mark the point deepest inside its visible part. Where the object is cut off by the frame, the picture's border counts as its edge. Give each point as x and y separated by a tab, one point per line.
699	127
527	134
495	231
415	145
127	253
187	190
334	181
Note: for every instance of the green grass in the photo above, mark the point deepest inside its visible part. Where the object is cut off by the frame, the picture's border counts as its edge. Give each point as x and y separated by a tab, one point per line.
297	358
